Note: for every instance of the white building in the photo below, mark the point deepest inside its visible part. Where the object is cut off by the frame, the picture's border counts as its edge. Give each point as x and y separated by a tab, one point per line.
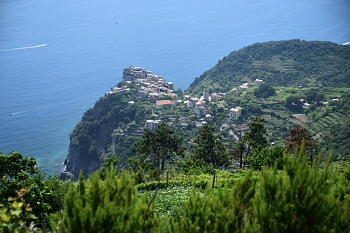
152	125
244	86
235	113
214	97
205	95
258	81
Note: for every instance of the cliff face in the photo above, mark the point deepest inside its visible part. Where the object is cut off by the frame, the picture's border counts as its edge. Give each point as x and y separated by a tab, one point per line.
89	141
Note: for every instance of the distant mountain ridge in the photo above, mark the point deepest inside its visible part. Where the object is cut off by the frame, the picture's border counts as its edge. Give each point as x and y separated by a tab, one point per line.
282	63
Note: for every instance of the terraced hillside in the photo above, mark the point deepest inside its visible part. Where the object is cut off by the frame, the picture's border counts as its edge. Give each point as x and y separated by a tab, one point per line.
283	63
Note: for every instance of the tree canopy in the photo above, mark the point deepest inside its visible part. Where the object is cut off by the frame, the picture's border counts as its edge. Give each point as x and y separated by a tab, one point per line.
159	145
294	104
43	195
264	91
300	138
208	146
255	138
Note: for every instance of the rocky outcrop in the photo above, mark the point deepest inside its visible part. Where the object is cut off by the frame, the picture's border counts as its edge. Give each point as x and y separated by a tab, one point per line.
119	114
89	140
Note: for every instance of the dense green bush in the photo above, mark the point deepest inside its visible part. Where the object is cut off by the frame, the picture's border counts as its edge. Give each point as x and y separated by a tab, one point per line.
107	206
264	91
301	198
268	156
43	194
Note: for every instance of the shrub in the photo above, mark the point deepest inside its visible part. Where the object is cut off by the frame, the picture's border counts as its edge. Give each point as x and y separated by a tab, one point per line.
107	206
267	157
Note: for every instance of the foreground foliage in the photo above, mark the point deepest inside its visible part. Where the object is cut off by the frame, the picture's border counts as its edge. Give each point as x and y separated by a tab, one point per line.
43	194
107	206
299	198
17	215
292	195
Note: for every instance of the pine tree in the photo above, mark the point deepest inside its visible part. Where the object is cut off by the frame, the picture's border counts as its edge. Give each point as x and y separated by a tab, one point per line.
158	145
208	146
254	138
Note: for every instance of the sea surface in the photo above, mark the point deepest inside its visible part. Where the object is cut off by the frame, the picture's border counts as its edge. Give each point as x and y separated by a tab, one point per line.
58	57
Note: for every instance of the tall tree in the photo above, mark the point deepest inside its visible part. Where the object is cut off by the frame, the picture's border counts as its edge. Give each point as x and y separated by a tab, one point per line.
158	145
254	138
298	136
237	150
208	146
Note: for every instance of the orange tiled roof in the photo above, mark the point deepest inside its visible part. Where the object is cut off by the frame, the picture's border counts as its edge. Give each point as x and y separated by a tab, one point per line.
163	102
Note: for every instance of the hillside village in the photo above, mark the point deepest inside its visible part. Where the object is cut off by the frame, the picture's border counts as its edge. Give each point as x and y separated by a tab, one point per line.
188	112
154	88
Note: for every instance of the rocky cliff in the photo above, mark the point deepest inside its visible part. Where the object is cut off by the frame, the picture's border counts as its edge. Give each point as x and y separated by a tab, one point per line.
102	130
88	141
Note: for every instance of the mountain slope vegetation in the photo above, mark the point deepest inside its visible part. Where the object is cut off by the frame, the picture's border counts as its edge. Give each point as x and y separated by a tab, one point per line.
282	63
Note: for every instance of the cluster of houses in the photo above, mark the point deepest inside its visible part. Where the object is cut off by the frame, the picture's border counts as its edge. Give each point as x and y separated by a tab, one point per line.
154	88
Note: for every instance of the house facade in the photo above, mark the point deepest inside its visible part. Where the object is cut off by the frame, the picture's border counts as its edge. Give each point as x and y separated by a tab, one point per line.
235	113
152	125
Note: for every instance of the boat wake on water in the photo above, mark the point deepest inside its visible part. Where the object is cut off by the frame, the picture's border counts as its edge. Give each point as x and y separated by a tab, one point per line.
27	47
14	114
40	107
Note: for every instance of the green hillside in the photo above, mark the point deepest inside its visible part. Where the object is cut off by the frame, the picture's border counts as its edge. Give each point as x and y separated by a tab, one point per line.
282	63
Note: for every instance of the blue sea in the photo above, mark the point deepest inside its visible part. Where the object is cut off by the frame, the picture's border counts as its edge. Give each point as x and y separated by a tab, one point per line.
58	57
